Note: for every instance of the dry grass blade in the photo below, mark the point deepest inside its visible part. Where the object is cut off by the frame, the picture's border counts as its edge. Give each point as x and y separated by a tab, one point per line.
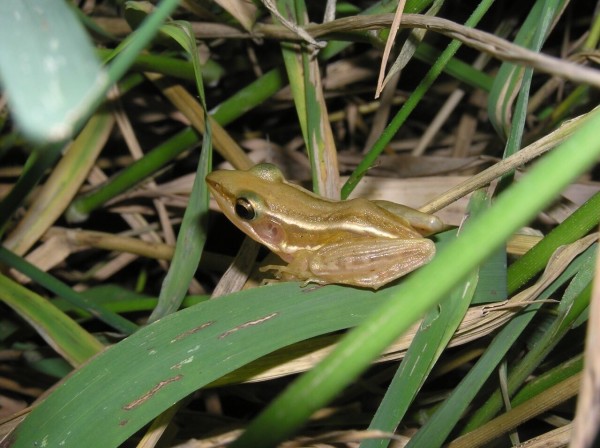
244	11
238	272
192	110
388	46
334	438
322	142
56	195
78	239
480	40
511	163
53	251
545	401
585	431
408	49
556	438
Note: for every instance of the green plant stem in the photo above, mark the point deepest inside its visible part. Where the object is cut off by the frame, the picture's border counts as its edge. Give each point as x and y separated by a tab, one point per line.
548	379
170	66
140	39
133	174
249	97
456	68
584	219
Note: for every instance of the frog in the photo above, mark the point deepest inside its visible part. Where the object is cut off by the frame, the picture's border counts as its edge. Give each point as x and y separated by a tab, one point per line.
357	242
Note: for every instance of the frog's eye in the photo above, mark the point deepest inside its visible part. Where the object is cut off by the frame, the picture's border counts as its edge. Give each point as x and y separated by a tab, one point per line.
244	209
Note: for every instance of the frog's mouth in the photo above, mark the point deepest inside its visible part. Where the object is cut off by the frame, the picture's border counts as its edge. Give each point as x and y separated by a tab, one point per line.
213	184
219	192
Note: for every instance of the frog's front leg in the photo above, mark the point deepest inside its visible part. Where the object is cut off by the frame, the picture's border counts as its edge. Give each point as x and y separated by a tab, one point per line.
297	270
363	262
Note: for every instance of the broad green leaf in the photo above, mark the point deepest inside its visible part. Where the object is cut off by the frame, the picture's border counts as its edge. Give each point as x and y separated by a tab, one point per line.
122	389
50	70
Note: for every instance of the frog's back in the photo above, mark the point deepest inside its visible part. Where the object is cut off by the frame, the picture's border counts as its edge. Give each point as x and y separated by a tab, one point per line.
363	217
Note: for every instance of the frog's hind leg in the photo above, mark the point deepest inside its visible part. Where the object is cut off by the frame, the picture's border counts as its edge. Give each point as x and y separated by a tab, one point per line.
369	262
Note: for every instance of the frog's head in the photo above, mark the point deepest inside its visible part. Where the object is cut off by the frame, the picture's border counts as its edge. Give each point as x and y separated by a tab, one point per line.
251	201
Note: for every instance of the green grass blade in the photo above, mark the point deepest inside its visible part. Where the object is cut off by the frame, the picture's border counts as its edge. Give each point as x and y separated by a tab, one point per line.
305	84
190	240
435	332
547	13
399	309
574	302
117	299
133	174
38	163
548	379
456	68
192	234
170	66
491	282
61	332
249	97
509	76
441	423
62	290
137	41
491	286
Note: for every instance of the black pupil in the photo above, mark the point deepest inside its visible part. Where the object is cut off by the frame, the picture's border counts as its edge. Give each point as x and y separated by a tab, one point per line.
244	209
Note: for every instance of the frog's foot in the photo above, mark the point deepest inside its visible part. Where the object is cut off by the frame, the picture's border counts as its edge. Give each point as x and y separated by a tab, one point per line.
279	271
287	273
306	285
269	281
